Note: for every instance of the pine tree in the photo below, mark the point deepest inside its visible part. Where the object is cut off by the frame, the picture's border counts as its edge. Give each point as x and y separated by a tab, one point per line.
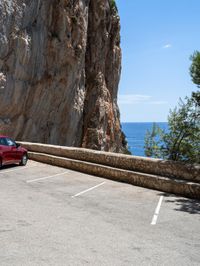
182	140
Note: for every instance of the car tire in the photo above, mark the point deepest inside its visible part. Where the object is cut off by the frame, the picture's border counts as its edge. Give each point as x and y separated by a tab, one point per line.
0	163
24	160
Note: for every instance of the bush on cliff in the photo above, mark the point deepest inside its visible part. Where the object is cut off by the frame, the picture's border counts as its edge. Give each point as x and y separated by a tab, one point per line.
113	6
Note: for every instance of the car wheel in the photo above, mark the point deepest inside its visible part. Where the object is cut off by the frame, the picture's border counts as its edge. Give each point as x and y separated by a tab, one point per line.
0	163
24	160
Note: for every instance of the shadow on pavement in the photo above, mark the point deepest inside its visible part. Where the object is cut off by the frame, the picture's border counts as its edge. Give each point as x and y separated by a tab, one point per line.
7	167
191	206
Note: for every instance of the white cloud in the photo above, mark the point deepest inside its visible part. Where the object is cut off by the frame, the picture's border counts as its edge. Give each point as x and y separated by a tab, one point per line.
125	99
167	46
133	98
158	102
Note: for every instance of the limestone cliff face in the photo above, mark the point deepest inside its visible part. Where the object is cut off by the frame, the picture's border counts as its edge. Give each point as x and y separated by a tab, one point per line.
59	71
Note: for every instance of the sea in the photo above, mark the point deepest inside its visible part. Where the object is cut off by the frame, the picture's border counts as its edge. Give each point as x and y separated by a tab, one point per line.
135	135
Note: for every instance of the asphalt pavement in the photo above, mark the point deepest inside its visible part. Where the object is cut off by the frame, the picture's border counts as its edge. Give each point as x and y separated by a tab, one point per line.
54	216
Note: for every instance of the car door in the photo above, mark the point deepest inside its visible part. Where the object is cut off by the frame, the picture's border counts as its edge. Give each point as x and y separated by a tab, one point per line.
12	150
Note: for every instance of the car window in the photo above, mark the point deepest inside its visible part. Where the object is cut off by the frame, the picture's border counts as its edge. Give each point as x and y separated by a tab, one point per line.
10	142
3	141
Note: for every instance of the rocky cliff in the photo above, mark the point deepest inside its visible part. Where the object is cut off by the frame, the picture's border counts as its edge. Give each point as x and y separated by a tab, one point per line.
60	65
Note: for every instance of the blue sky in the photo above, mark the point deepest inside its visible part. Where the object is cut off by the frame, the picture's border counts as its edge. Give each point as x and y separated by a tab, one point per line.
157	39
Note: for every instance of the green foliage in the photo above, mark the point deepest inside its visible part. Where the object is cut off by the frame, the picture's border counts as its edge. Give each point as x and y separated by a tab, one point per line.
182	141
152	142
113	6
195	68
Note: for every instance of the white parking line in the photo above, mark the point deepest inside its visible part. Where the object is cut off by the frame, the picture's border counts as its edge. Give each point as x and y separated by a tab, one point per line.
89	189
46	177
155	217
18	168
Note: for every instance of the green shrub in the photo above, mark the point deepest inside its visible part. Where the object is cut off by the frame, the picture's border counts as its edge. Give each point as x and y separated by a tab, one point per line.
182	141
113	6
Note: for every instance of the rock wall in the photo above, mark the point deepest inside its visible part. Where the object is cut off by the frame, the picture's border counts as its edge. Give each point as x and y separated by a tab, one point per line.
152	166
167	176
60	65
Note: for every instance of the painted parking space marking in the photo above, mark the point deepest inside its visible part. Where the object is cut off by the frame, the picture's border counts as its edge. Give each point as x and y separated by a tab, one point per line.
89	189
18	168
155	217
46	177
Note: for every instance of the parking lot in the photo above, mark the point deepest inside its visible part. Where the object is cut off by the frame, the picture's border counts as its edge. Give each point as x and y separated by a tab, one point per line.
54	216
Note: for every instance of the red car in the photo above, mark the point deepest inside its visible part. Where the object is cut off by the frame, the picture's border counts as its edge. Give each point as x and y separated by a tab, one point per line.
11	152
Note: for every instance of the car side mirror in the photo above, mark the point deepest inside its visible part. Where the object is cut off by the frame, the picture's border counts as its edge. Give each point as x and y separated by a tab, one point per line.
17	145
